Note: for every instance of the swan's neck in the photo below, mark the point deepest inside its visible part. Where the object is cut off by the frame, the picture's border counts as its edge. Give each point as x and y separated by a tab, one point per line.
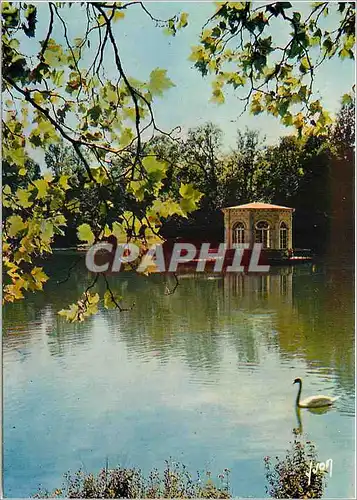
299	394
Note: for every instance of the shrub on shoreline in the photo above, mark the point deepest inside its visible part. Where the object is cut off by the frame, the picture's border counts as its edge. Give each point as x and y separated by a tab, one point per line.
174	482
289	478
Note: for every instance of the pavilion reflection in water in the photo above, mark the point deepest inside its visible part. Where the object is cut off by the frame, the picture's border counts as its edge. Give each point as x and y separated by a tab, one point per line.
273	287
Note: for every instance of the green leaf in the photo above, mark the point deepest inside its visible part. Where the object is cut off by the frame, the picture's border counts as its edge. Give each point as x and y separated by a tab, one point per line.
130	113
159	81
15	225
256	106
84	233
46	128
188	205
23	198
183	20
78	42
295	49
54	55
138	188
217	96
95	112
296	16
155	168
126	137
166	208
350	42
39	277
58	78
111	92
304	65
119	232
346	99
42	187
111	299
47	230
282	107
325	118
328	46
189	192
287	119
63	182
18	156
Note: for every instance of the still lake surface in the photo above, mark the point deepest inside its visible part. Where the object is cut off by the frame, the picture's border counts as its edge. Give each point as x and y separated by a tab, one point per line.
202	376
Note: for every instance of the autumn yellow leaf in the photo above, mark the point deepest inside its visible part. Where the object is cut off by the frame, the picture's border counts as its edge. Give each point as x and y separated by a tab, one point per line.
119	14
14	291
39	275
15	224
71	313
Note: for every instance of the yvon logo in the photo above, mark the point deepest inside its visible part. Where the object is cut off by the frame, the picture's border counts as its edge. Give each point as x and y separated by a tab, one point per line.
319	467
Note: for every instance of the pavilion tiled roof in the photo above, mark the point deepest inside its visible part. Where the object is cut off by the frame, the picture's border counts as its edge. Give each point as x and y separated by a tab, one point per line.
259	206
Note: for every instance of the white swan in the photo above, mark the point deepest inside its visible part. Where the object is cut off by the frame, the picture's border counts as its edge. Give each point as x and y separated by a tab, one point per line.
312	401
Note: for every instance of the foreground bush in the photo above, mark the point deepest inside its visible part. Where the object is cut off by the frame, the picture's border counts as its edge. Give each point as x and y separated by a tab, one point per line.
288	478
174	482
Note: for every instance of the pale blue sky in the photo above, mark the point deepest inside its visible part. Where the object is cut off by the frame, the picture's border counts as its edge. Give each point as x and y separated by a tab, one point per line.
144	47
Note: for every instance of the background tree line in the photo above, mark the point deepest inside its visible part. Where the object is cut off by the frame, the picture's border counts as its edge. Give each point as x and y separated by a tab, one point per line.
65	90
315	175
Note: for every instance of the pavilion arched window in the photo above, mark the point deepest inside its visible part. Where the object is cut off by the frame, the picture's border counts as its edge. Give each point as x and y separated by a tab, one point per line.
238	233
283	235
262	233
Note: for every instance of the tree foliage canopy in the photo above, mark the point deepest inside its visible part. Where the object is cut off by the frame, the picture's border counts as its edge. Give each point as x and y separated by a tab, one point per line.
112	180
50	96
272	53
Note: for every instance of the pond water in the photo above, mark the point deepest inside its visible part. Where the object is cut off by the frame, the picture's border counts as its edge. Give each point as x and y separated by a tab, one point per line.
202	376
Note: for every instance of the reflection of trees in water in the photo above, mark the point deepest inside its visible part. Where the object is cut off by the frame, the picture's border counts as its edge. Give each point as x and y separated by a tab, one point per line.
204	315
305	311
266	291
20	320
21	331
24	320
250	306
320	325
186	322
55	295
64	336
